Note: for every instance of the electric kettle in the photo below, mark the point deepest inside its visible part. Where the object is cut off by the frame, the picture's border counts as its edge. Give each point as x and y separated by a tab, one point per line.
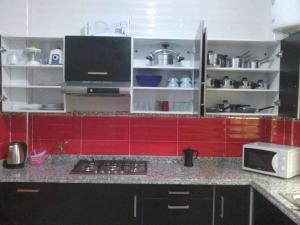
16	155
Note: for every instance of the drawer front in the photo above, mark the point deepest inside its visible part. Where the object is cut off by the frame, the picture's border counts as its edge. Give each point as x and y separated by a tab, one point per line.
177	212
174	191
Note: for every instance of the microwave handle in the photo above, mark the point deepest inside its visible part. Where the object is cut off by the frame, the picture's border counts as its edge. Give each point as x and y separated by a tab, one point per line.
275	162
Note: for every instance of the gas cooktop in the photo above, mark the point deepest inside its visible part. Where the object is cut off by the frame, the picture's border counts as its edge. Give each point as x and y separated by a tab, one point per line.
110	167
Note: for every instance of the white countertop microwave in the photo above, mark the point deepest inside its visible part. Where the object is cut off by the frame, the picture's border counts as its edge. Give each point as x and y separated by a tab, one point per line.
272	159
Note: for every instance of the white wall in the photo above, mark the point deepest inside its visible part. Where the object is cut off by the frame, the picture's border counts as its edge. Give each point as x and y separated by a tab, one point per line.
225	19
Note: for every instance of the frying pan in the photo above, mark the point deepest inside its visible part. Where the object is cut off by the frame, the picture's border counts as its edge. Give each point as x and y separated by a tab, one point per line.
247	109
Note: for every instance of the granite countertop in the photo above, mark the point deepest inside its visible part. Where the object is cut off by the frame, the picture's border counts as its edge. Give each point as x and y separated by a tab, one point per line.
166	170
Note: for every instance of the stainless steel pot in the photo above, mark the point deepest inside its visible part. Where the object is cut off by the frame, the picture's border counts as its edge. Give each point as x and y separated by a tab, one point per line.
165	56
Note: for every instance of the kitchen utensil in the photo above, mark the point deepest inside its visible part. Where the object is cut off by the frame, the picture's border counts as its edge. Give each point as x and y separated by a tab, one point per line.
209	82
236	62
189	156
226	82
165	56
16	155
212	58
217	83
148	80
172	82
13	57
55	57
165	106
247	109
33	56
186	82
260	84
236	84
245	84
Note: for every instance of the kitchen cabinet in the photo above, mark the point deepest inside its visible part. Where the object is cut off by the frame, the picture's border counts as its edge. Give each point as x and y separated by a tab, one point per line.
50	204
177	205
289	77
31	87
97	58
180	100
232	205
265	213
258	98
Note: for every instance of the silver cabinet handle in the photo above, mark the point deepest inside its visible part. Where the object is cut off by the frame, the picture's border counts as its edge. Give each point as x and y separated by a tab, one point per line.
134	206
22	190
3	98
178	207
98	73
2	50
222	207
178	192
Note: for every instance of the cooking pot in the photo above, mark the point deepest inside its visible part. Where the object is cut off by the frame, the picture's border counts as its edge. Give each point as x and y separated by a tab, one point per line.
165	56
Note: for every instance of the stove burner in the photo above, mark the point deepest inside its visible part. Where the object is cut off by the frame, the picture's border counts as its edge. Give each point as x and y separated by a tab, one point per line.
116	167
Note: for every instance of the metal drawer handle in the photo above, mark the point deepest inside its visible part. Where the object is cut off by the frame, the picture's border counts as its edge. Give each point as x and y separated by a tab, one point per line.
98	73
178	192
134	206
178	207
21	190
222	207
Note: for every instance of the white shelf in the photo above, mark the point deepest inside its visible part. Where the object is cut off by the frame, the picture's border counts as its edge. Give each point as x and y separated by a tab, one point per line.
33	66
36	111
244	42
164	112
165	88
36	38
241	114
242	90
32	86
259	70
166	67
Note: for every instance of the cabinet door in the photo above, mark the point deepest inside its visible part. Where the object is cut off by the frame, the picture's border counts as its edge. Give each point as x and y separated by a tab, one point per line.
28	204
177	211
289	76
97	58
105	204
265	213
232	205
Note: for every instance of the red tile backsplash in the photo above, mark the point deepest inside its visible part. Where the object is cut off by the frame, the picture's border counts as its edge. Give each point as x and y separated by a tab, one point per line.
131	135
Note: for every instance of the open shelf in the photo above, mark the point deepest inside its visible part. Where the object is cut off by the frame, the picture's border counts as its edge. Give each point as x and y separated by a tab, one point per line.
32	86
166	67
258	70
33	66
166	88
241	114
164	112
241	90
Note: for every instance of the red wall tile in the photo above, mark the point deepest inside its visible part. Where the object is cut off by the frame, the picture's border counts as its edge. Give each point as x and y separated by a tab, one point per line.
164	136
153	148
296	138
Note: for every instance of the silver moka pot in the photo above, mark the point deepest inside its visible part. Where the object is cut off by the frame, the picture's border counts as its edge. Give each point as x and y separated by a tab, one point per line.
16	155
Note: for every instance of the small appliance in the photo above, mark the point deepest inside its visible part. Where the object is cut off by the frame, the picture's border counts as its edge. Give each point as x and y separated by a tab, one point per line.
272	159
189	156
16	155
55	57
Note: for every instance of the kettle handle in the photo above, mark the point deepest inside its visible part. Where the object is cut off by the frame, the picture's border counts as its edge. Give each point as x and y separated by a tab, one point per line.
25	150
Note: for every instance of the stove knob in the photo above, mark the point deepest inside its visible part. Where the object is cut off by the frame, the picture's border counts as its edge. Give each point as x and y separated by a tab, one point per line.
122	172
115	172
108	172
102	171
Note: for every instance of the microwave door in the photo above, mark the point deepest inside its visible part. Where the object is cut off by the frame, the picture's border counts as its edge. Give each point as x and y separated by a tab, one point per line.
260	160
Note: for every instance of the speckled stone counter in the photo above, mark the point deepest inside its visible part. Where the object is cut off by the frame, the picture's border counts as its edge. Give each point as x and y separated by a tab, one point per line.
165	170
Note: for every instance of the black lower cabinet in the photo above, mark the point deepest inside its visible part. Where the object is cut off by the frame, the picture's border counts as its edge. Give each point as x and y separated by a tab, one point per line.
177	205
52	204
265	213
232	205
